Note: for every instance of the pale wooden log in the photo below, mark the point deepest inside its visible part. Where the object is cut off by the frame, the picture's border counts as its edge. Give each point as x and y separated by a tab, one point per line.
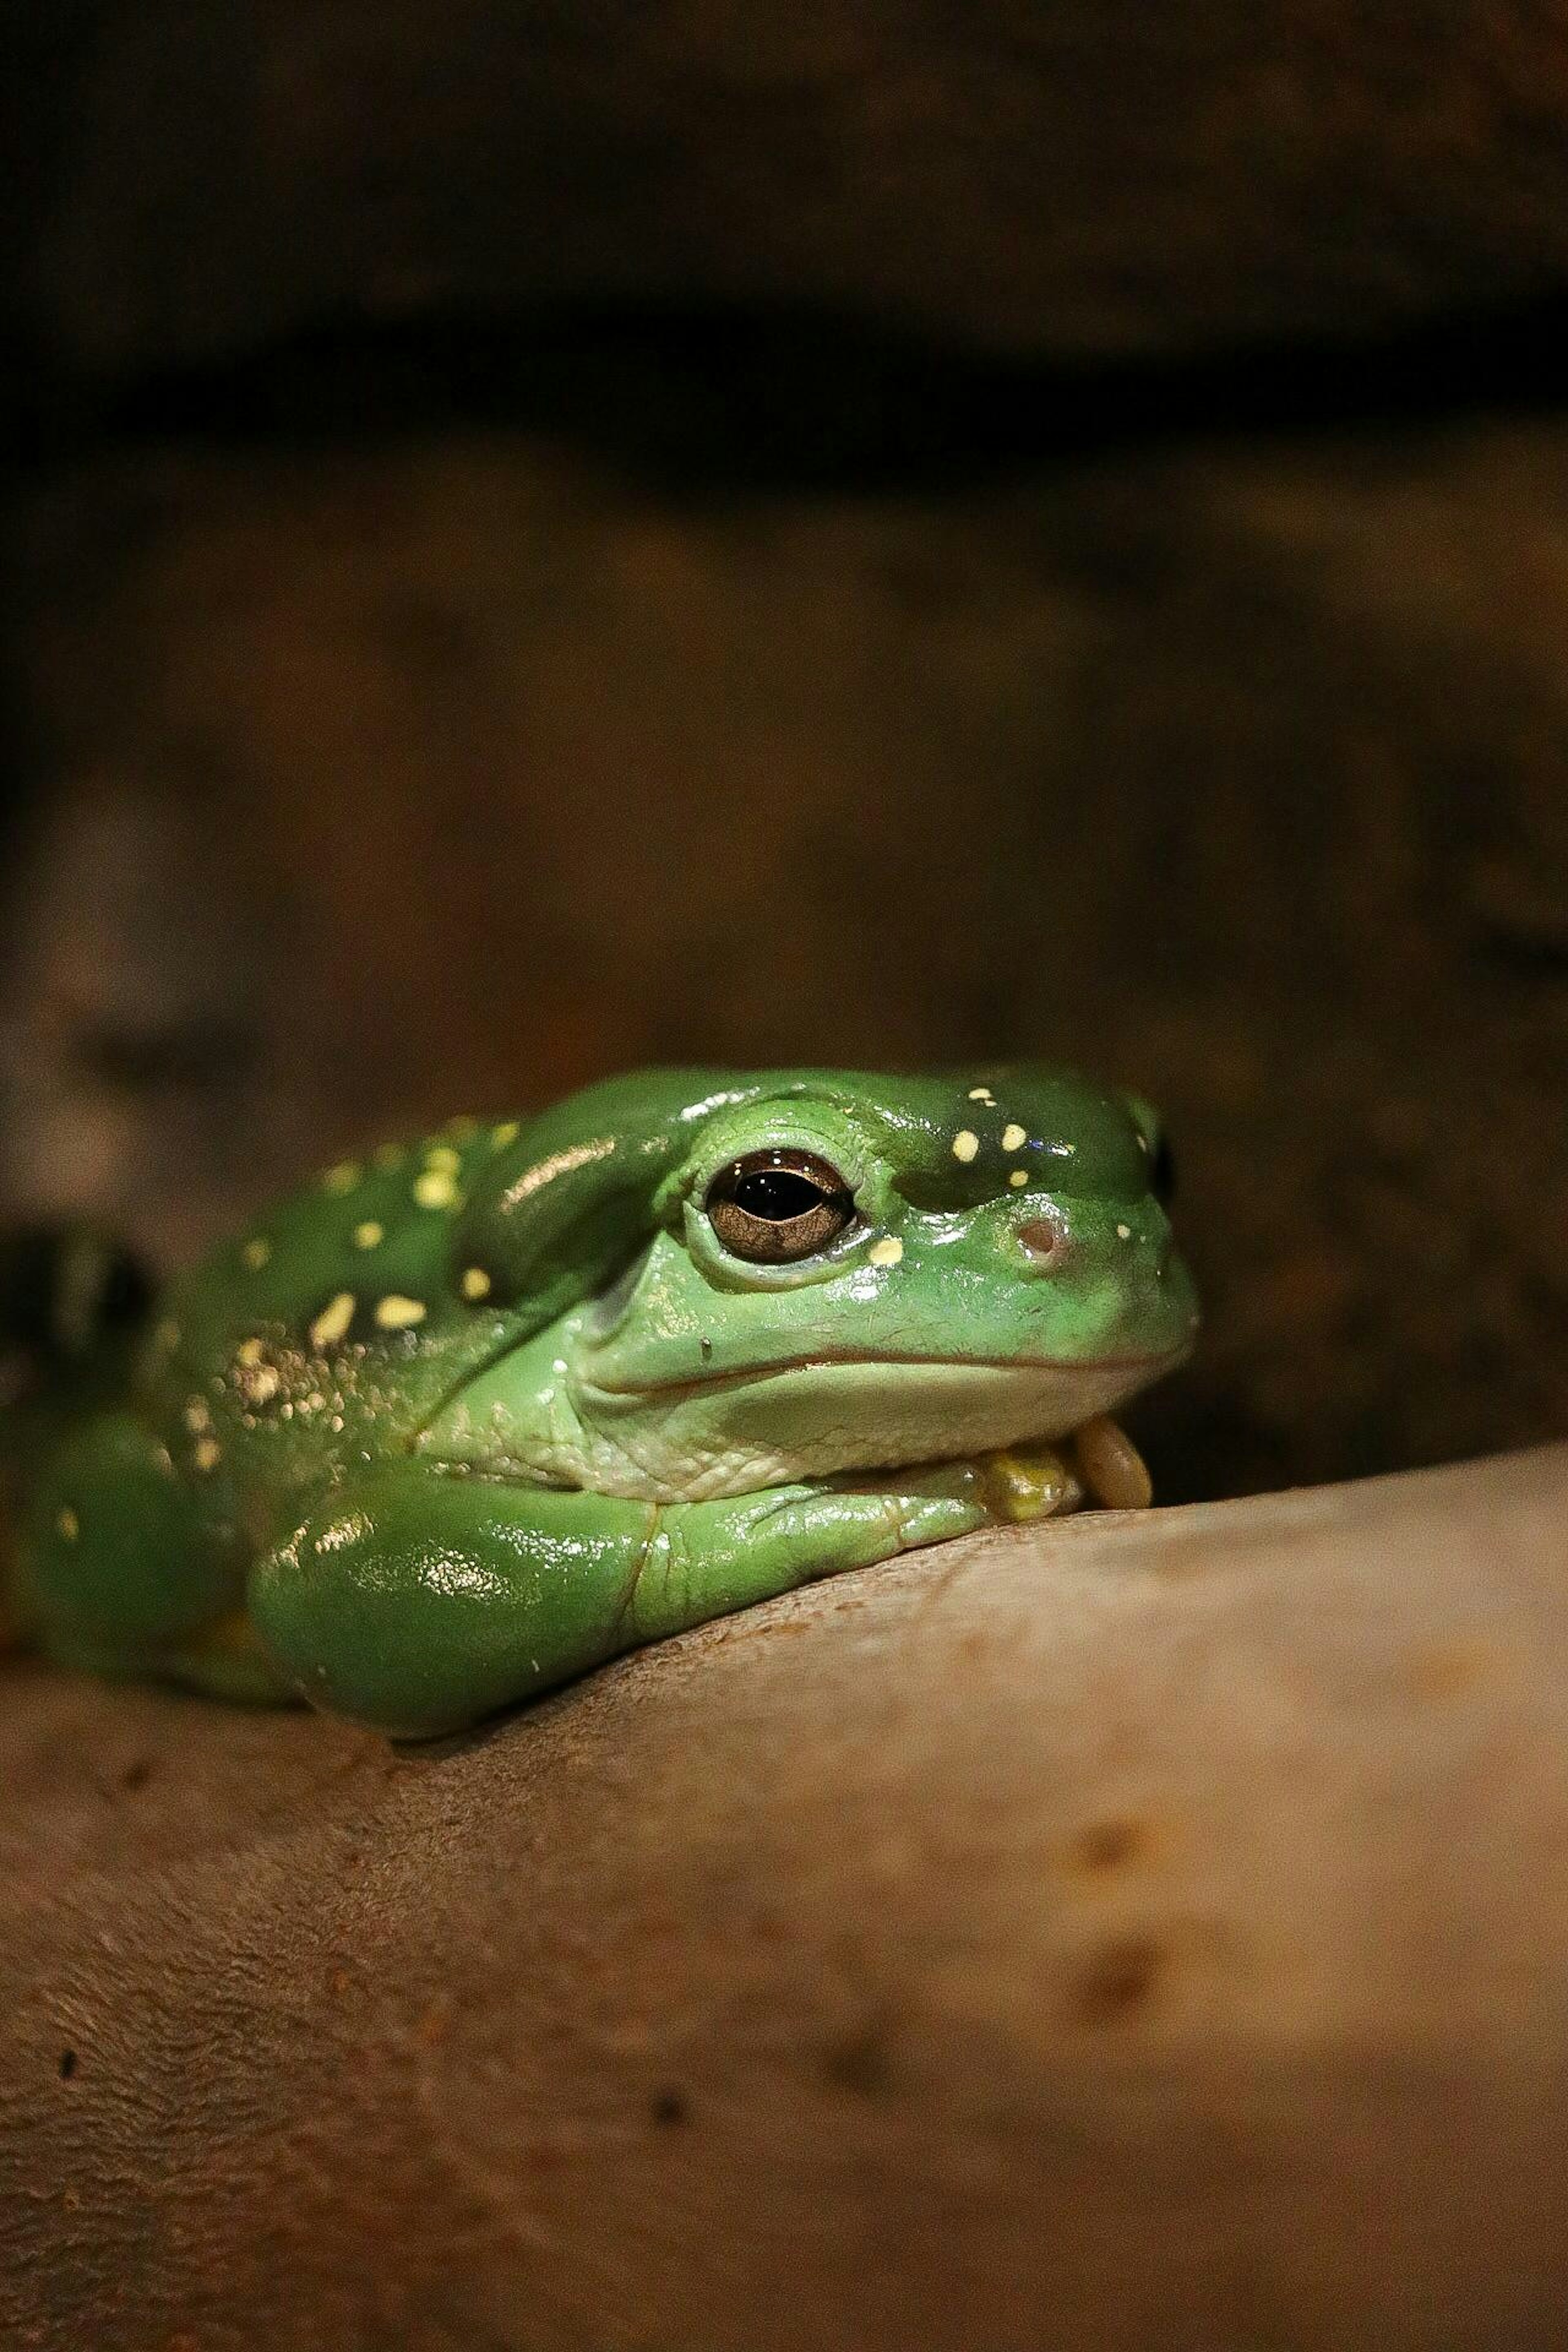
1134	1932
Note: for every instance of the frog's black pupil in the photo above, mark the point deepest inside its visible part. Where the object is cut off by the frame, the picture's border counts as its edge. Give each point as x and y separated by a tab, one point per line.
777	1194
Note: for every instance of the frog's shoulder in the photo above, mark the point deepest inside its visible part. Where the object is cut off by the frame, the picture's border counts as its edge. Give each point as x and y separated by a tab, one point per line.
393	1272
361	1271
380	1226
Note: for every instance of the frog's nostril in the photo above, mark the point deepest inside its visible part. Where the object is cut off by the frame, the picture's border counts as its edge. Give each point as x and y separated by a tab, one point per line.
1041	1238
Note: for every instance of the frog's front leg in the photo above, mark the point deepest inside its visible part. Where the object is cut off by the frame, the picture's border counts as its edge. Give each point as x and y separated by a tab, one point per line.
708	1559
418	1600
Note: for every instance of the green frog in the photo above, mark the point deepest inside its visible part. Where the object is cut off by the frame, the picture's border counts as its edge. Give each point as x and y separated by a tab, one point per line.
464	1418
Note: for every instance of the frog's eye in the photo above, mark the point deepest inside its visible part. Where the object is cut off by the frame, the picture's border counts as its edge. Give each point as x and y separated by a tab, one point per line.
1162	1171
773	1207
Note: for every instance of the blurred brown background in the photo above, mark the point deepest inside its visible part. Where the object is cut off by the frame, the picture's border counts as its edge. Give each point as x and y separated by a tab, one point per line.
546	537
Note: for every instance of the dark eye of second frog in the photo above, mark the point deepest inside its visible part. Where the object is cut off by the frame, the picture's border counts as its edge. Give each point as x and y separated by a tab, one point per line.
1163	1172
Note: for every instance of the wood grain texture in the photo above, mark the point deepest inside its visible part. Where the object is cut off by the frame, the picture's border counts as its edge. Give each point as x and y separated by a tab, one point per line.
1139	1932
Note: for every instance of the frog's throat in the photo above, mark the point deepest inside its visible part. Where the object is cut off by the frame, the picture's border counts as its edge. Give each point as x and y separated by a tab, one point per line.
816	1417
541	1417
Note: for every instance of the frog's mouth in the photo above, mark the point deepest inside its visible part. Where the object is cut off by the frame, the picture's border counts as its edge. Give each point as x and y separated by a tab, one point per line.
1137	1369
813	1416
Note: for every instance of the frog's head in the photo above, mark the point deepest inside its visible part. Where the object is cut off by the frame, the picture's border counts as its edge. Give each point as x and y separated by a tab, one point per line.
842	1270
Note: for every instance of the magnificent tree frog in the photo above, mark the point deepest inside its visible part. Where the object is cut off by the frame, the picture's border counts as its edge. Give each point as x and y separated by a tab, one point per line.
464	1418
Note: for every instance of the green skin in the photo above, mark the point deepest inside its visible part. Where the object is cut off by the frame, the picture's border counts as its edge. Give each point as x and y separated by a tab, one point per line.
442	1431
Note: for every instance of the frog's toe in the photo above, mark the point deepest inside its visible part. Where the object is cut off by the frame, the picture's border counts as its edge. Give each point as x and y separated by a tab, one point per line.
1111	1465
1029	1482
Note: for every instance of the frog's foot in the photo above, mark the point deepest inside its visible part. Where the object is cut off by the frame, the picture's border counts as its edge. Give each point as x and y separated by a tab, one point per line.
1112	1470
1098	1464
1029	1482
228	1659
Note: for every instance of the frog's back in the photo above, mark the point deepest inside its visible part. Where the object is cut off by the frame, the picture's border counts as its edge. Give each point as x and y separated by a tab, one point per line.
332	1328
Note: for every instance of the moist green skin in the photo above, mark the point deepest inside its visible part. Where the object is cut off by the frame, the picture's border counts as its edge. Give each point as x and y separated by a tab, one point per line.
450	1425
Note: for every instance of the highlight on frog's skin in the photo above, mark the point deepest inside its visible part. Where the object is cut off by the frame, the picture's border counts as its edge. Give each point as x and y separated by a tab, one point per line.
464	1416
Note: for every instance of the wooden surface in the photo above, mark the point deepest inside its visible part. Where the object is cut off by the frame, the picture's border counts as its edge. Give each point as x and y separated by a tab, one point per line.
1144	1932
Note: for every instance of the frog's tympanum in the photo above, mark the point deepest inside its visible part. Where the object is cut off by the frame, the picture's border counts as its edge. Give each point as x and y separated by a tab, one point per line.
459	1422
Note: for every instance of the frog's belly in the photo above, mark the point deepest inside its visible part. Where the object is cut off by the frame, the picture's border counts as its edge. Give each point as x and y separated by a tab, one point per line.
730	1437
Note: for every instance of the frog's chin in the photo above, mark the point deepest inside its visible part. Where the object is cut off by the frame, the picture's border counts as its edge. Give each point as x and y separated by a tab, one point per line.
741	1431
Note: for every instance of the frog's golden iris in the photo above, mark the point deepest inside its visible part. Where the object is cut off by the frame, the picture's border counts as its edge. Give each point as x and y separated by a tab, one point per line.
773	1207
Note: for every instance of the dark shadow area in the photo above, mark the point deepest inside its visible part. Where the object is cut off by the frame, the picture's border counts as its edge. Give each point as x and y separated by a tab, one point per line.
709	401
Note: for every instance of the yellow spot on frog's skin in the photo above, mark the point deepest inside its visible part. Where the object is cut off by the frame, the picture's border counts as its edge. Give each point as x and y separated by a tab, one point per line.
167	1336
435	1188
69	1524
462	1129
336	1425
262	1386
343	1178
333	1321
249	1353
887	1252
352	1528
370	1235
475	1282
1018	1179
965	1144
207	1454
396	1313
507	1133
1123	1232
1015	1136
196	1416
441	1155
983	1094
389	1155
254	1254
